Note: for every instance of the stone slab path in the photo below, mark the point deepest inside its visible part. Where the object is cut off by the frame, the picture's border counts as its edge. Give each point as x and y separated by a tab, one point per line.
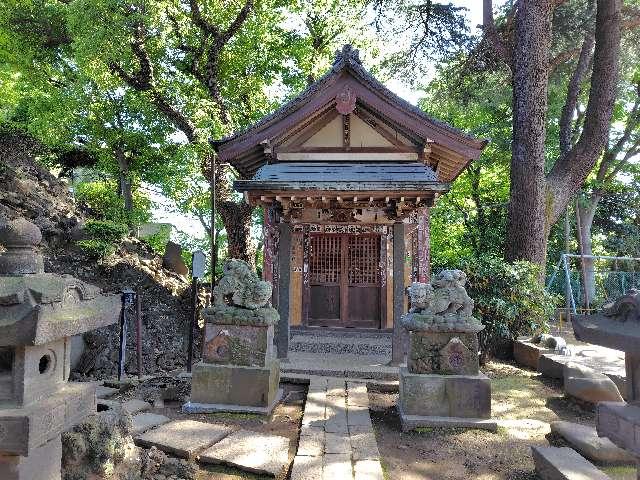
142	422
250	451
183	438
336	438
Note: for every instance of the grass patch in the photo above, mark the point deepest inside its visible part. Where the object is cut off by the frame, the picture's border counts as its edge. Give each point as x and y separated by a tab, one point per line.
620	472
237	416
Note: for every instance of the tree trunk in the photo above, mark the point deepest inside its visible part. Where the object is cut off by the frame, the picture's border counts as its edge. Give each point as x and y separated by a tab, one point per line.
587	212
124	182
526	230
237	222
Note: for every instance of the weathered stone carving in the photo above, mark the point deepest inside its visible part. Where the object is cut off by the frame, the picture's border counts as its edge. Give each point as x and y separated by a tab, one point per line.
443	358
239	371
39	312
442	305
242	286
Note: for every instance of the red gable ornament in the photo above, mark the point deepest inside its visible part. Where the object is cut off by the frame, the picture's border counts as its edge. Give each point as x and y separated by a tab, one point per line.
346	101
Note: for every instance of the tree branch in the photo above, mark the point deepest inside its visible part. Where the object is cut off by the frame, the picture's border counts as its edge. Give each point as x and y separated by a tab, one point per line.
573	90
572	168
491	34
225	36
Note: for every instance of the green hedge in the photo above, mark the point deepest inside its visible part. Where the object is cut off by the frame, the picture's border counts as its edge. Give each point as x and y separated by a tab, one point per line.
510	300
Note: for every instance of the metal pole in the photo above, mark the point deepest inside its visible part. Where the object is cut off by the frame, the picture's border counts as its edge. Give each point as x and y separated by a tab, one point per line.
139	332
127	300
194	319
214	211
582	265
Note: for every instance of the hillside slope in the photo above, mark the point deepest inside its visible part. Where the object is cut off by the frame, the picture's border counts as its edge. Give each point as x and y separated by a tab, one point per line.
31	191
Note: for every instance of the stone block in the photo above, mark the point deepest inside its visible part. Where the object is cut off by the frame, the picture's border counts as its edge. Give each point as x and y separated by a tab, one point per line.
183	438
446	353
552	365
469	396
24	429
423	394
43	463
146	421
592	390
358	416
235	385
587	443
363	443
368	470
250	451
337	443
620	422
307	468
527	353
311	441
411	422
247	345
336	466
564	464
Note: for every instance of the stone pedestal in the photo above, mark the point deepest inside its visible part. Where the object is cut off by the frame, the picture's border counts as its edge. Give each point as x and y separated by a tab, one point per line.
239	371
442	385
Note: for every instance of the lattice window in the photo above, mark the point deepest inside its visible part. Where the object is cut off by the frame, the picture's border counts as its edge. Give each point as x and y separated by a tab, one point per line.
325	259
364	260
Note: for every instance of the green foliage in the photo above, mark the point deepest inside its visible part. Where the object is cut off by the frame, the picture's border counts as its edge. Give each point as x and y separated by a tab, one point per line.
104	235
158	241
106	230
509	299
105	203
97	248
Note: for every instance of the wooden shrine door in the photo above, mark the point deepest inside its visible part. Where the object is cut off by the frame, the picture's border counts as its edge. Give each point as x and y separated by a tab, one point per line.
344	281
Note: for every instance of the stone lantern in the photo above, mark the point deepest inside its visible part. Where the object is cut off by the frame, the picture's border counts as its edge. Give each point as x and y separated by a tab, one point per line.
441	386
39	312
239	371
618	327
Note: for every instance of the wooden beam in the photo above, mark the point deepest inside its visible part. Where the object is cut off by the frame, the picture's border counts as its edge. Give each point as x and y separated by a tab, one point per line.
354	155
386	134
324	120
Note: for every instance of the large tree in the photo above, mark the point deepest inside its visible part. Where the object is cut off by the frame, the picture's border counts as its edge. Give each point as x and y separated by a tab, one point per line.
541	188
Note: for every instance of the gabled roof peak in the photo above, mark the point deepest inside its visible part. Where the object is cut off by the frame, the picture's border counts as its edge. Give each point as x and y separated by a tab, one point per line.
346	56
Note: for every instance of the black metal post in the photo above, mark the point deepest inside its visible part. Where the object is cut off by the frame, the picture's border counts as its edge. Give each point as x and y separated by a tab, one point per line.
139	332
194	321
127	300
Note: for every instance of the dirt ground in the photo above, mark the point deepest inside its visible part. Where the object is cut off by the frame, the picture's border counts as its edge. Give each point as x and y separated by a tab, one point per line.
284	421
522	401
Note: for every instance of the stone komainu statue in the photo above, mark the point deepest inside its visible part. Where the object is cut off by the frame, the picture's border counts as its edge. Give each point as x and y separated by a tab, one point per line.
241	287
443	304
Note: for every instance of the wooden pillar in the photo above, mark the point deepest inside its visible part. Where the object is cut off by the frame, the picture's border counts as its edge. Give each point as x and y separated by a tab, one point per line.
424	245
399	334
284	279
267	244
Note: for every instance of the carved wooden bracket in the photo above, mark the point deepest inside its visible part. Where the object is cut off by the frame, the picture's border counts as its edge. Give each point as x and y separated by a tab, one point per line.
346	101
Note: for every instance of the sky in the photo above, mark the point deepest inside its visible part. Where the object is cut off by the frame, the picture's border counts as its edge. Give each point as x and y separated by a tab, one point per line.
163	211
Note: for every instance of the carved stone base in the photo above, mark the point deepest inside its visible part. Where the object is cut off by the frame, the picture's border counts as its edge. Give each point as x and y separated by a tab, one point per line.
235	386
411	422
445	353
430	398
42	464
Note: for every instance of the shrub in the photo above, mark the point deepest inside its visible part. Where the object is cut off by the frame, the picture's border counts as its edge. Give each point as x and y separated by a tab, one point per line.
105	204
104	235
510	300
106	230
97	248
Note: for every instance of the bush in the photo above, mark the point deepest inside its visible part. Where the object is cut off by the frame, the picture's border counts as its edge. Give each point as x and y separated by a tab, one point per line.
97	248
106	230
104	236
104	203
510	300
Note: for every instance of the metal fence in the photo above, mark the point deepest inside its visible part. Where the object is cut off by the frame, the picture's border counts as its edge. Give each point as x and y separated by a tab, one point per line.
589	281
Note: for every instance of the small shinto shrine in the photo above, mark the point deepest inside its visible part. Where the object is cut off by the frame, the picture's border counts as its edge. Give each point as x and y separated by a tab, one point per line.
346	173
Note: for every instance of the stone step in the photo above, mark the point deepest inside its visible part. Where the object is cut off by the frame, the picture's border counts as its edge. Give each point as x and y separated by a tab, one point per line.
385	373
341	333
341	345
553	463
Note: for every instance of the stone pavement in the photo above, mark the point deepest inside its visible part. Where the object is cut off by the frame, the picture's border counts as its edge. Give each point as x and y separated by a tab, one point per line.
336	438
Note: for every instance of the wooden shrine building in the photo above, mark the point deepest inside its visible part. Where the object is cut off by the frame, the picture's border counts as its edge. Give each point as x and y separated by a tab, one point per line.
346	173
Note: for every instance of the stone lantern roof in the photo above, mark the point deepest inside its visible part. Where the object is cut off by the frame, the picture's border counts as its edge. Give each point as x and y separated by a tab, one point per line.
38	307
